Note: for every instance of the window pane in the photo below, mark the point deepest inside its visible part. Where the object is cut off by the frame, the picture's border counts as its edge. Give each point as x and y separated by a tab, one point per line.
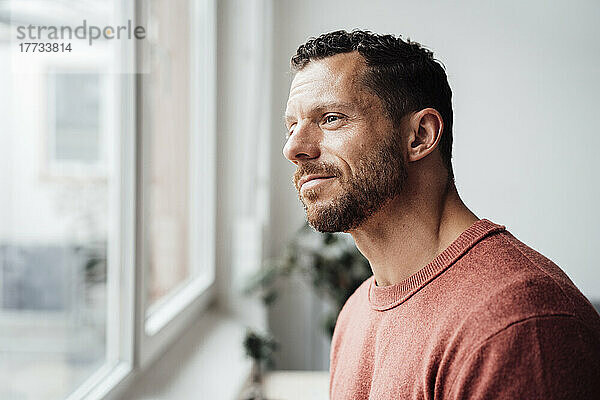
54	221
76	116
166	135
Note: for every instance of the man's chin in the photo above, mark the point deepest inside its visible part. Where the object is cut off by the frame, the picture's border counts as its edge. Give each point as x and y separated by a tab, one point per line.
328	218
322	226
319	217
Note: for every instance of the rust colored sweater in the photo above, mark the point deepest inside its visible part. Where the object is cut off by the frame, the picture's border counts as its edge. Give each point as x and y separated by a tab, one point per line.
488	318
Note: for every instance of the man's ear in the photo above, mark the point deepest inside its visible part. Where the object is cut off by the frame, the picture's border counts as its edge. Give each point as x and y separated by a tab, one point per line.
425	132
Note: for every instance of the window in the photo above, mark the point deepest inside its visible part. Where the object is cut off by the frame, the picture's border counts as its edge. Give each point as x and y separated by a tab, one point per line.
167	134
56	251
107	211
177	158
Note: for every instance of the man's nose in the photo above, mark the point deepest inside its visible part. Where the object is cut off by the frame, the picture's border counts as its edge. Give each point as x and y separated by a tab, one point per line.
303	143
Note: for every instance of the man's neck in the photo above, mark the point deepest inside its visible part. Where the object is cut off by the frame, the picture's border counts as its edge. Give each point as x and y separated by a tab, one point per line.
410	231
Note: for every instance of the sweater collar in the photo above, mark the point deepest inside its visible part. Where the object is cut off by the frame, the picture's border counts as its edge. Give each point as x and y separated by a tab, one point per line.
383	298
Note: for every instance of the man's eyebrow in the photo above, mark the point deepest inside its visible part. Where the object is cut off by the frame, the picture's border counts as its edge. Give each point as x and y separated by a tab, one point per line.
321	107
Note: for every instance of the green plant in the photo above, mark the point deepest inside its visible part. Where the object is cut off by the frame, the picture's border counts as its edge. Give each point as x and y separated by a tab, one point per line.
260	347
329	261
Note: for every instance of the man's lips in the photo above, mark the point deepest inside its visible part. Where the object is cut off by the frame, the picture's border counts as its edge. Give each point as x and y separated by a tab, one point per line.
313	177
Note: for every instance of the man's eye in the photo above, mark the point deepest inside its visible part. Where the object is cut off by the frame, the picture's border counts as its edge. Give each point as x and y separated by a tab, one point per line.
290	131
331	118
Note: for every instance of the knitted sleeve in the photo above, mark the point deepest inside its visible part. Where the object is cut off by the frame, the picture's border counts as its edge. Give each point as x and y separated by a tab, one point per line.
542	357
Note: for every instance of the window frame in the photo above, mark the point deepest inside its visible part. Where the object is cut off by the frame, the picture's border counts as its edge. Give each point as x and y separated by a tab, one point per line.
122	280
158	325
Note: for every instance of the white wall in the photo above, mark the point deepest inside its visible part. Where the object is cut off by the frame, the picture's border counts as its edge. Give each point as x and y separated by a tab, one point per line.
525	82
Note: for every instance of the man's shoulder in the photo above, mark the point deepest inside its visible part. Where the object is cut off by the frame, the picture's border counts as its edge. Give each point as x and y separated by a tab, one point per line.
550	357
503	264
511	256
502	281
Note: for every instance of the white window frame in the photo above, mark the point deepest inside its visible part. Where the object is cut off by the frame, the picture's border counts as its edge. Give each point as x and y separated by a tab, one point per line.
159	324
122	280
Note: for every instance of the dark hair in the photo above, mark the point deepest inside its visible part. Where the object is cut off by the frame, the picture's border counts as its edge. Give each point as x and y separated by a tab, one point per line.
403	74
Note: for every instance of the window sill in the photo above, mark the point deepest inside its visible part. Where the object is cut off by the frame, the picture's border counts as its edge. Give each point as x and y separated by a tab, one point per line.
207	362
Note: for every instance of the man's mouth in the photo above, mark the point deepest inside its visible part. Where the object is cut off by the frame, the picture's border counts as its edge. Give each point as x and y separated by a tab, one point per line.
310	181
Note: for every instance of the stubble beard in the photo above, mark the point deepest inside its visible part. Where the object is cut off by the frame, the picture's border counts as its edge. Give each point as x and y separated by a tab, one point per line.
379	177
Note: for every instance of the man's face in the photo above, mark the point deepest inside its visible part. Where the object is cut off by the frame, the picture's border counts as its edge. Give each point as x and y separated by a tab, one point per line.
349	158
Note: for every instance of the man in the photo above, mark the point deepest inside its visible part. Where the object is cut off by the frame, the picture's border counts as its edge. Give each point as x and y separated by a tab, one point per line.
457	307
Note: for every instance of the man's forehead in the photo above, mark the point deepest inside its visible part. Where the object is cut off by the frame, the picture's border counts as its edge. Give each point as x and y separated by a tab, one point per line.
331	79
339	67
